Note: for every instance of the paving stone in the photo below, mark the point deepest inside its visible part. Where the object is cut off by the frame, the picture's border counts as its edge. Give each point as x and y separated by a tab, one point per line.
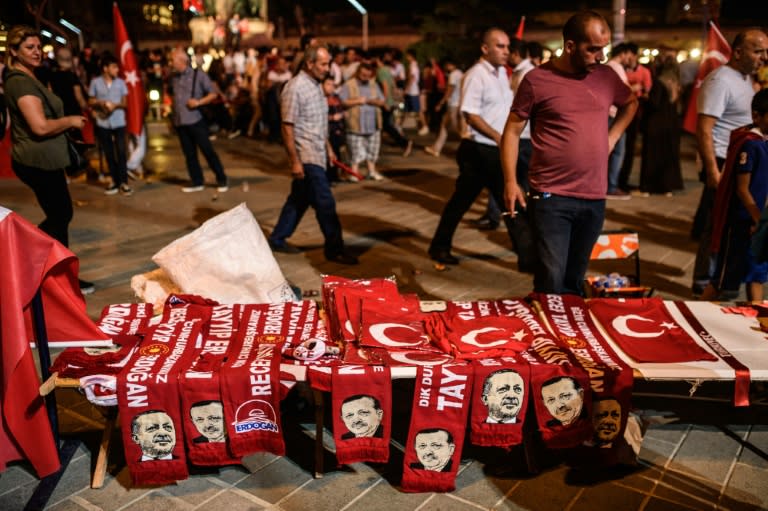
115	493
67	505
608	496
657	504
687	490
334	489
545	492
193	490
671	433
757	439
656	453
708	452
747	485
439	502
14	477
230	501
386	497
158	499
475	486
17	498
76	477
275	481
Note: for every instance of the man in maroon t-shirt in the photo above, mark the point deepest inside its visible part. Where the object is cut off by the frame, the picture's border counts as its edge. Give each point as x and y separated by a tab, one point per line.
567	102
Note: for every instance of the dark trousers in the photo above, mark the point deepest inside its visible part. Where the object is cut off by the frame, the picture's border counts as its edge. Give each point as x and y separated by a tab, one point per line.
112	142
480	167
388	121
52	193
314	191
191	137
704	265
629	152
564	231
524	153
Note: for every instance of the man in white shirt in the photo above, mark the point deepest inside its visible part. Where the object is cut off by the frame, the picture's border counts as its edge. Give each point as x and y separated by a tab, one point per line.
485	102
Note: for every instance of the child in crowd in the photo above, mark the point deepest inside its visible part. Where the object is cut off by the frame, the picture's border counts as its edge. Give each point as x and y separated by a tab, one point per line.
336	135
739	203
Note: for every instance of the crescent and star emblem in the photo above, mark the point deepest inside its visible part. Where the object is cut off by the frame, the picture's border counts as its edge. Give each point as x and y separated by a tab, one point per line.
621	325
378	332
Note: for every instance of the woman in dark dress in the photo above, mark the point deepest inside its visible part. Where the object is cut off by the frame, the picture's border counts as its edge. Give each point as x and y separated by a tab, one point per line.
660	169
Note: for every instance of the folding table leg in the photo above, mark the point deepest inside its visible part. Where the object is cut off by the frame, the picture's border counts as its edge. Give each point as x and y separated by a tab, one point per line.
319	427
100	470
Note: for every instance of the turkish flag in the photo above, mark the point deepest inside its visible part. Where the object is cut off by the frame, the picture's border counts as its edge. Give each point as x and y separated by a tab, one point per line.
130	73
718	52
520	29
644	329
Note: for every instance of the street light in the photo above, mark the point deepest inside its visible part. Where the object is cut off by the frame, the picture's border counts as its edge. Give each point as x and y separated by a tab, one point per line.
73	28
364	13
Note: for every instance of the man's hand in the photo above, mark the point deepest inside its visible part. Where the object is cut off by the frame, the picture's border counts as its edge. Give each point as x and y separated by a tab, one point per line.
297	170
193	103
713	178
513	195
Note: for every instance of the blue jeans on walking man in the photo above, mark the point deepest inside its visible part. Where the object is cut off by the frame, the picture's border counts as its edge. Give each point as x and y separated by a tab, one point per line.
314	190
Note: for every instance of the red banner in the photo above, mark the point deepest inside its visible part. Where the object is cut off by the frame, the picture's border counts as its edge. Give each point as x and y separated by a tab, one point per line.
130	73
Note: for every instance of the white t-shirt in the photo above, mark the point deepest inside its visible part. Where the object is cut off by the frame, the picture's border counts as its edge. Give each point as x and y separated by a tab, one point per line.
413	74
726	95
275	77
485	92
454	80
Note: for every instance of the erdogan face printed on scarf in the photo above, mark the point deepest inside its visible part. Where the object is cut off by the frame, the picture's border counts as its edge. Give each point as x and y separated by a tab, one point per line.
208	418
155	434
434	448
362	415
606	420
503	395
563	397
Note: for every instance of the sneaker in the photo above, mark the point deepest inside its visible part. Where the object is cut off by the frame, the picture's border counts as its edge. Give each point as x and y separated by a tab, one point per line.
343	258
430	150
222	187
618	195
424	131
126	190
408	149
193	188
103	178
639	193
284	248
112	190
86	287
212	136
234	134
375	176
136	174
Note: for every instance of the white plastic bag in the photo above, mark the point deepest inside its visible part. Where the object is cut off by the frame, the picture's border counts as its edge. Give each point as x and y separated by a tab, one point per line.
226	259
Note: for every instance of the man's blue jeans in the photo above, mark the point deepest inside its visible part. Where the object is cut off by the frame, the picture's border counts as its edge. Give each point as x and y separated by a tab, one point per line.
564	231
615	160
314	191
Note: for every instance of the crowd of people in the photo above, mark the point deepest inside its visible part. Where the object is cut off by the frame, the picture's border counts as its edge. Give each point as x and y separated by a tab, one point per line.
531	131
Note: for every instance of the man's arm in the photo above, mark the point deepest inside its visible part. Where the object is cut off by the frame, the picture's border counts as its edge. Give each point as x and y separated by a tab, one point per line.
706	144
297	169
509	148
624	116
479	124
744	195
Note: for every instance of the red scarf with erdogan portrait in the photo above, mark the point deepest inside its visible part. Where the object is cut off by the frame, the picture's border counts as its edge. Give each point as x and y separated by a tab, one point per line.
644	330
361	404
250	382
438	424
560	393
499	401
148	401
201	402
610	377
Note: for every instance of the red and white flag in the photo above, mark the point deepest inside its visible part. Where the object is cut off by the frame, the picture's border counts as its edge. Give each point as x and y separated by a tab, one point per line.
520	29
718	52
130	73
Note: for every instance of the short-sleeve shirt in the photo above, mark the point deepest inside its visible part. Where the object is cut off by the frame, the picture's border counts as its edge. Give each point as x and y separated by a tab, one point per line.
63	84
726	95
752	159
413	75
454	80
384	76
485	92
114	93
303	105
569	128
28	149
368	113
181	84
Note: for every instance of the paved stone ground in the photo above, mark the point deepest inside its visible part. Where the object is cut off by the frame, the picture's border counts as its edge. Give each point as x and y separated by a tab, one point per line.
690	460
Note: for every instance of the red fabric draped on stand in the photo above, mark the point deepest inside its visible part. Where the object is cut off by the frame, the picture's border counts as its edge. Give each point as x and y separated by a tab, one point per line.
33	260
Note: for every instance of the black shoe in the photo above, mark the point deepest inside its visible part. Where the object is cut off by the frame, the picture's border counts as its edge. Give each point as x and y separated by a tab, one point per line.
86	287
284	248
443	256
486	224
343	258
